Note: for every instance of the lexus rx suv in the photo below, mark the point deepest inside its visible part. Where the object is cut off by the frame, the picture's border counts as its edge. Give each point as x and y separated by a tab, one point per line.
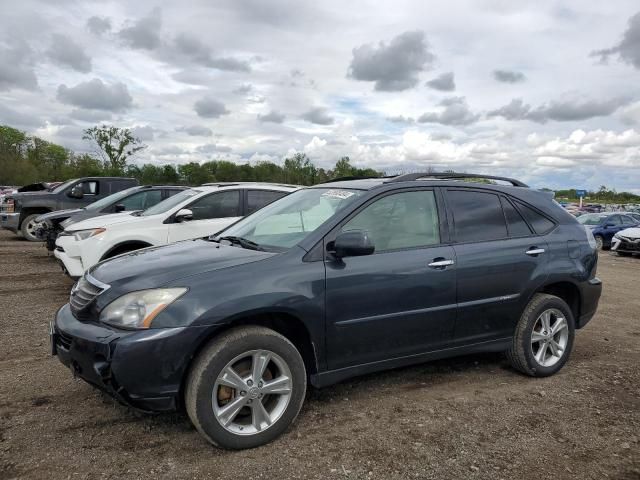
329	282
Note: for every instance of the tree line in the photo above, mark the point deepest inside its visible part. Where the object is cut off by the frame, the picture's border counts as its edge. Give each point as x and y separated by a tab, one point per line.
28	159
602	195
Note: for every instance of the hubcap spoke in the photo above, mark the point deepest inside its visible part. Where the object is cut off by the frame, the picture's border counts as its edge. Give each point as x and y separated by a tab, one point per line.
230	378
260	361
537	337
541	353
546	321
260	416
229	411
279	386
559	325
555	348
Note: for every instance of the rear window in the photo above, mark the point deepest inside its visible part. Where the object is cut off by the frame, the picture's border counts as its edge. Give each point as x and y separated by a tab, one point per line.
477	216
540	223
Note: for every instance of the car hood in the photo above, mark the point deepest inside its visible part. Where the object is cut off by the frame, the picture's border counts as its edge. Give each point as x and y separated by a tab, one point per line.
58	214
633	232
105	221
155	266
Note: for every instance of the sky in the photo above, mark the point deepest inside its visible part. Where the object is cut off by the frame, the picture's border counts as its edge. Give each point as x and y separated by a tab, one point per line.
547	92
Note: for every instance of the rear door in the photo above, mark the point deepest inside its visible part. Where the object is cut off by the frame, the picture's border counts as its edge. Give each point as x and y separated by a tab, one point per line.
211	214
499	257
400	300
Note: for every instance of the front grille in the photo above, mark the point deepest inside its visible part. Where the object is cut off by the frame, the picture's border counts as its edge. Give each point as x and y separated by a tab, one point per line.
83	293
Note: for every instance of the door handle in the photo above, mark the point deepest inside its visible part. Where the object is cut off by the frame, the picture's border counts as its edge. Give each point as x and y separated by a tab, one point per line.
534	251
440	263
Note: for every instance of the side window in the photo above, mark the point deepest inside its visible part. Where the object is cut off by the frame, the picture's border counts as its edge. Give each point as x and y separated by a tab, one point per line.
477	216
217	205
401	220
256	199
142	200
134	202
89	188
515	223
170	192
540	224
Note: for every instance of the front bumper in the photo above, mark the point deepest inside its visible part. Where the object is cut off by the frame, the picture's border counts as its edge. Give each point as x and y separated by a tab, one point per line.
72	266
143	369
627	245
10	221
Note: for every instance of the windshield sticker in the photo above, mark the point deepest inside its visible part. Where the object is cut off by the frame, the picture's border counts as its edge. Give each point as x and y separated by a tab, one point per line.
341	194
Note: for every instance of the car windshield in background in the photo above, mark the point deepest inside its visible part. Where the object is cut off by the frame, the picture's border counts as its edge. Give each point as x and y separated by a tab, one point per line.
590	219
111	199
170	202
288	221
64	185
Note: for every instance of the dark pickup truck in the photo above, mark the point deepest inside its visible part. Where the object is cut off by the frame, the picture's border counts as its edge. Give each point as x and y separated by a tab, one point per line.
19	210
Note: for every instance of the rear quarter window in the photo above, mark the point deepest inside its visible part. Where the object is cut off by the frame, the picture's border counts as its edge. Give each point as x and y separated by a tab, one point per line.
538	222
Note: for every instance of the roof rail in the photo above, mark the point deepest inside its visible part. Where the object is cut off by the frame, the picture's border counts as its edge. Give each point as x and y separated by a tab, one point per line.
345	179
407	177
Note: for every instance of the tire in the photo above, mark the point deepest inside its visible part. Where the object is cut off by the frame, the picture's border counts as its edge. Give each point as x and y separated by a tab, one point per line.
531	336
209	390
599	242
29	226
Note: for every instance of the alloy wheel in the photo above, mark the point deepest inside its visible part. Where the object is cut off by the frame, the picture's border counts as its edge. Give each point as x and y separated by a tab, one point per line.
252	392
549	337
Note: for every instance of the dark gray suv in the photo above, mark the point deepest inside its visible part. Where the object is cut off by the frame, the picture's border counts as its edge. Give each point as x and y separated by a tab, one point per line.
329	282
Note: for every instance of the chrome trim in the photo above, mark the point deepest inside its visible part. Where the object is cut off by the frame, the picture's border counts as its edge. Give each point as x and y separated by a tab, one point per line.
441	263
91	279
535	251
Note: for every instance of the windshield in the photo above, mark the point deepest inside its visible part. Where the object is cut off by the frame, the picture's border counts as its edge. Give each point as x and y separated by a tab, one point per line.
64	185
590	219
110	200
288	221
170	202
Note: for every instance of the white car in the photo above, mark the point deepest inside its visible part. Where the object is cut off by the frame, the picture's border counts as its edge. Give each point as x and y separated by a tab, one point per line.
626	242
193	213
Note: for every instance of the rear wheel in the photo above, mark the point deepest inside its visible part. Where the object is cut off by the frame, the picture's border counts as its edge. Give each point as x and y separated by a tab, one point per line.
543	338
599	242
245	388
29	227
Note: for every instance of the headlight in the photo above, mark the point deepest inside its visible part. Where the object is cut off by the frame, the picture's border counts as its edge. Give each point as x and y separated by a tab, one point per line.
84	234
138	309
617	235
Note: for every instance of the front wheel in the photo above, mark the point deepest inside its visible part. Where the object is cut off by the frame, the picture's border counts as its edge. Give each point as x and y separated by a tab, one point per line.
245	388
543	338
29	228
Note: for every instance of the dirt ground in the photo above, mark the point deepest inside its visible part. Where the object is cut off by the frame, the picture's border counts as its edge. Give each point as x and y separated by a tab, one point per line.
466	418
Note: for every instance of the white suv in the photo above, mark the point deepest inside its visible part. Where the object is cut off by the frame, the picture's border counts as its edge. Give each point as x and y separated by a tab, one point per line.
193	213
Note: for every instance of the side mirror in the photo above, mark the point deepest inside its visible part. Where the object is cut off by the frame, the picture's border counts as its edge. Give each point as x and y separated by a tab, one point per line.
609	225
354	243
76	192
184	215
120	208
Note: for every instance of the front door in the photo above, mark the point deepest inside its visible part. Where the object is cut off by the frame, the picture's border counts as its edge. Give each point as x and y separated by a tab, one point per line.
211	214
400	300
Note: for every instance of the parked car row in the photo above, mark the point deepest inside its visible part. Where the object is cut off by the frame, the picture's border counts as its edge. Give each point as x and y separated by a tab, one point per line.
246	293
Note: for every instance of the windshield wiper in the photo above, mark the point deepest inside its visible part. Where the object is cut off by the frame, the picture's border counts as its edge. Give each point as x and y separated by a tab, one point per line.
243	242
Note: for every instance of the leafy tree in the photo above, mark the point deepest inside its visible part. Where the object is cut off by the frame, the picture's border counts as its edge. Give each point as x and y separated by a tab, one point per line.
114	145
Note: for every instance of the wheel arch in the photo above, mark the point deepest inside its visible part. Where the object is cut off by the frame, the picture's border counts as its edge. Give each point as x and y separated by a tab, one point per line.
567	291
286	324
123	247
25	212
